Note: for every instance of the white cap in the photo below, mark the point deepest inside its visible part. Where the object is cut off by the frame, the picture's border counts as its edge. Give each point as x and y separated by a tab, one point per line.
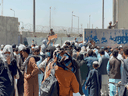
95	62
120	46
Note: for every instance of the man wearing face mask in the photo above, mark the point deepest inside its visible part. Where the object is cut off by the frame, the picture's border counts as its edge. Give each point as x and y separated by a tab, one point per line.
8	69
31	87
20	82
49	56
40	74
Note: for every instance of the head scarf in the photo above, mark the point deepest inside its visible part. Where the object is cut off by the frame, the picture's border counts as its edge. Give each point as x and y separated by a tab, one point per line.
21	47
2	46
44	42
43	46
8	48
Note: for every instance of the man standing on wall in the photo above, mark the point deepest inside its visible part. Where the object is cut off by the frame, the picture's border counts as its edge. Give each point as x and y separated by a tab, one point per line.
51	33
112	26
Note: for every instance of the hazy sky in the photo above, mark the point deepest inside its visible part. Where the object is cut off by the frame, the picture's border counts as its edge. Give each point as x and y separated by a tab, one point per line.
61	11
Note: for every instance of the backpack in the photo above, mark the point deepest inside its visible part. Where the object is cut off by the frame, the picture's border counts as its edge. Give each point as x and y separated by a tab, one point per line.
50	87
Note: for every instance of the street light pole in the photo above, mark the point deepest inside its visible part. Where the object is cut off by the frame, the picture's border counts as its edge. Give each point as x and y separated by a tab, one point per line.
78	24
78	21
13	11
103	14
33	16
2	8
89	20
81	28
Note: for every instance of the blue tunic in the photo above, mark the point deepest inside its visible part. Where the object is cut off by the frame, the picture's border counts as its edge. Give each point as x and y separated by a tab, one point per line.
93	83
40	76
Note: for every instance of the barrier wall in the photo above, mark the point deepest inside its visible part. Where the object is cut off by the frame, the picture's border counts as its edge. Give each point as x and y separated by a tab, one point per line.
8	30
107	37
59	40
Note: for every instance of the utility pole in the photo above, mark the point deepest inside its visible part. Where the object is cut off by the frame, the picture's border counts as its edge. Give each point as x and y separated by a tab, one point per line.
72	23
78	24
89	20
2	9
78	21
50	19
81	28
13	11
33	16
102	14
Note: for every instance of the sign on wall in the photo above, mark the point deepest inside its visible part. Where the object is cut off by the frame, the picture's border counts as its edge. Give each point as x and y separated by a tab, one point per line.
107	37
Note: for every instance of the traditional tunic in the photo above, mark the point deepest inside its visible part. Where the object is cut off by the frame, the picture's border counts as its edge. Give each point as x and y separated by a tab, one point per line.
31	87
20	81
40	75
93	82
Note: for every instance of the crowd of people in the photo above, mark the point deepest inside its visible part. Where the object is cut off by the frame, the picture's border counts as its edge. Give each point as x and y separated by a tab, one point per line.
54	70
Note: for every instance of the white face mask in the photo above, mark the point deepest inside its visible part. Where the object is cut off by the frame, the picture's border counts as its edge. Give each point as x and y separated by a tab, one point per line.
57	48
15	54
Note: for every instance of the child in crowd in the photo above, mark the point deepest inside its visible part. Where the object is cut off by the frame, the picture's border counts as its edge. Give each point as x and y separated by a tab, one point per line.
92	81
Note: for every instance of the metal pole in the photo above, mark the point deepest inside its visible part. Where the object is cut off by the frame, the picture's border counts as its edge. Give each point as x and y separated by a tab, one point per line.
34	16
50	19
114	11
2	9
102	14
89	20
14	13
72	22
78	24
81	28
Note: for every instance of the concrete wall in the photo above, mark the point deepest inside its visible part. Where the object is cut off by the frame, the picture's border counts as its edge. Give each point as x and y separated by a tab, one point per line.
122	14
39	35
59	40
8	30
107	37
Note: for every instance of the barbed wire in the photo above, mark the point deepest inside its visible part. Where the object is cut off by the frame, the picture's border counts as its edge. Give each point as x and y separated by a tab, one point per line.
46	29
